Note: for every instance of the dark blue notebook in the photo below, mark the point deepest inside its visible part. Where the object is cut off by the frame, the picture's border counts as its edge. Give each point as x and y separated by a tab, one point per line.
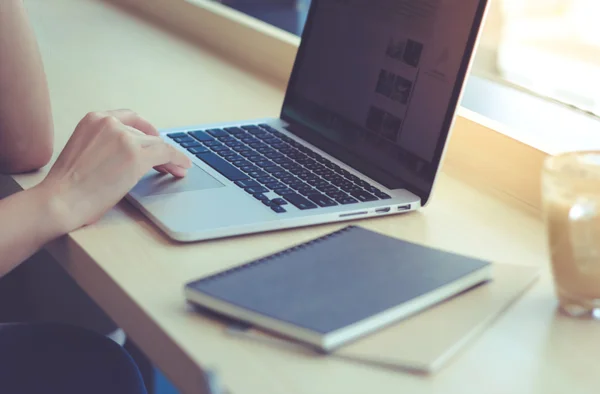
339	287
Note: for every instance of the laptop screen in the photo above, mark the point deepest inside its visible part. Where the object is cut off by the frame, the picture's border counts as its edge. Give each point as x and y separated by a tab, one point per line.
376	83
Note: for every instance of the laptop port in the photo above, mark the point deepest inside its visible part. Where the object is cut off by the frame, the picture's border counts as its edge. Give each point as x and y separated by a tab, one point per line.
403	208
347	215
383	210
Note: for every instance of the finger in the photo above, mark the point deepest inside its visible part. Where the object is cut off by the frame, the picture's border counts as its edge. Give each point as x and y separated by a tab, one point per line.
161	169
148	141
143	139
132	119
174	170
162	154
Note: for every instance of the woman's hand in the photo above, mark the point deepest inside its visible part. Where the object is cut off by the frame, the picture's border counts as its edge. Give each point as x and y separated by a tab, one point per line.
106	156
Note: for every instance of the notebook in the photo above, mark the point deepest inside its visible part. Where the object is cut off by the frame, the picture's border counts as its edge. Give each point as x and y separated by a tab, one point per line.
337	288
428	341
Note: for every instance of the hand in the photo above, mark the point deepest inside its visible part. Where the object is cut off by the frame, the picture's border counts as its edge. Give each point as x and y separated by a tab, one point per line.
106	156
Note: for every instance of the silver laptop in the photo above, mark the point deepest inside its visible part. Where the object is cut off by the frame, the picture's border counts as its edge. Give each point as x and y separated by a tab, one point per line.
362	131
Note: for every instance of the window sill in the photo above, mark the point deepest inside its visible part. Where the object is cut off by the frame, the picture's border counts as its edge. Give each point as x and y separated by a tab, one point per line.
497	154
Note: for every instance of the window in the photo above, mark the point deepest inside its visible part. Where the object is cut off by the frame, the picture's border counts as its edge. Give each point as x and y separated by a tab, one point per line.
548	47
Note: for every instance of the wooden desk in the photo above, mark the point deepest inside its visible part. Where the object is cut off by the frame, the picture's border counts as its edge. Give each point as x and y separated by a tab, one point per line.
98	57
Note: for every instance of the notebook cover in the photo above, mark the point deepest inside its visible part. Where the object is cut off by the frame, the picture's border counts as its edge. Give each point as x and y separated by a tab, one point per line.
337	280
428	341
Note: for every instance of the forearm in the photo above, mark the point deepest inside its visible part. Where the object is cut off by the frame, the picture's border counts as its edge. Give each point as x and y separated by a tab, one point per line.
28	220
26	130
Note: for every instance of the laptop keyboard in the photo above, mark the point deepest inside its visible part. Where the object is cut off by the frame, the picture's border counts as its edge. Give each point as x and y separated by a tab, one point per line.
260	159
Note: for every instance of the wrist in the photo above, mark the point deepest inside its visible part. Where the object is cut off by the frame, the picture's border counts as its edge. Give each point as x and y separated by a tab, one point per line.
54	211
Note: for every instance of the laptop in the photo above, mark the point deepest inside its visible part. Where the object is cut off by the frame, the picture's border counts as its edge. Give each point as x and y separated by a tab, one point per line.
362	131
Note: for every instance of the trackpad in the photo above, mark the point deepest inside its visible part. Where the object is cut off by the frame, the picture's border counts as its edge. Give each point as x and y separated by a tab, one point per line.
155	184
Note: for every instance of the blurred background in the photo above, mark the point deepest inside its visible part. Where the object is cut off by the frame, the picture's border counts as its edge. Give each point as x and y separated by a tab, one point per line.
547	48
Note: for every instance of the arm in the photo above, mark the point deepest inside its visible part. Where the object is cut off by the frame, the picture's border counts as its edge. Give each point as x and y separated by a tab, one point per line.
33	222
105	157
26	129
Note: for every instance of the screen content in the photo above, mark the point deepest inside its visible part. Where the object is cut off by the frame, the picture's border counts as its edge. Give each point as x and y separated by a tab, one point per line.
376	79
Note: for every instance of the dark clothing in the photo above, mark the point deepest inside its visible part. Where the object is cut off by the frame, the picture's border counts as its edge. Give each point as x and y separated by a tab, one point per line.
54	358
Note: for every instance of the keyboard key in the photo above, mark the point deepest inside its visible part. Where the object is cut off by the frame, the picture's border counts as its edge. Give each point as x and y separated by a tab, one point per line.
319	183
231	156
257	174
330	189
211	143
382	196
247	153
222	166
239	147
234	130
218	133
199	149
201	136
264	163
267	202
260	197
298	185
307	191
278	208
281	192
275	156
273	170
327	174
176	135
351	188
181	140
227	138
275	133
257	190
225	153
247	183
289	179
233	144
304	175
266	179
249	168
266	151
191	144
322	200
241	163
338	195
363	196
279	201
219	148
258	133
372	189
256	159
281	174
280	145
248	140
250	127
299	202
274	185
258	145
347	201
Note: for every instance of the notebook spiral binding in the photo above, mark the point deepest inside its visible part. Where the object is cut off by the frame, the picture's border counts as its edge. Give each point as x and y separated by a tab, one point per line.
278	254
